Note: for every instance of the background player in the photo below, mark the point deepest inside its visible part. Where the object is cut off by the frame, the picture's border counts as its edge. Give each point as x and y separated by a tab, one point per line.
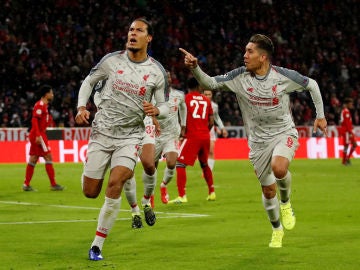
217	129
167	144
347	131
196	142
39	146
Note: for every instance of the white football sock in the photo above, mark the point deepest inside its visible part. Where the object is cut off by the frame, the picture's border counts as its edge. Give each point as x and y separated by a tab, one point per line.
106	220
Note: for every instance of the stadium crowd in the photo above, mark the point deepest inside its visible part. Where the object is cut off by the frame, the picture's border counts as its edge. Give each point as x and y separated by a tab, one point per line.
57	43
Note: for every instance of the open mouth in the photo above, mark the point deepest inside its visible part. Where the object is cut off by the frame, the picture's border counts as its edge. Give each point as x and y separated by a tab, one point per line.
132	41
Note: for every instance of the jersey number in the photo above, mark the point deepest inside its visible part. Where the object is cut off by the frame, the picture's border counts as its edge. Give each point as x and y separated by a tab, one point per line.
199	105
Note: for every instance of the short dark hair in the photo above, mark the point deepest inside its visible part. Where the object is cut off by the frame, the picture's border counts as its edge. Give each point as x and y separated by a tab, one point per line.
150	29
263	42
192	83
44	89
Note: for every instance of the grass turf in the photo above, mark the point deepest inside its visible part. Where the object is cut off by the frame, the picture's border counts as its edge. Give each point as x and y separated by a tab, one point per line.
54	230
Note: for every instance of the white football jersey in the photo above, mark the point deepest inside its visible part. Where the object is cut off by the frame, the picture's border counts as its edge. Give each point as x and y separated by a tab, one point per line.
264	101
127	85
170	124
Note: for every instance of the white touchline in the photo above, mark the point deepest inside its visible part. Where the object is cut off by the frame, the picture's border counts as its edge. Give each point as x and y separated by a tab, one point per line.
166	214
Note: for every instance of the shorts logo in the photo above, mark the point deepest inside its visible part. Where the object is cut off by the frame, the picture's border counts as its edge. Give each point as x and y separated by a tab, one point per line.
289	142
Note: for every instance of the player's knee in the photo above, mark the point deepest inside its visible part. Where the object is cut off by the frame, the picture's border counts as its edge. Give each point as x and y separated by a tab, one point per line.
171	164
279	170
150	170
149	167
90	193
269	191
91	187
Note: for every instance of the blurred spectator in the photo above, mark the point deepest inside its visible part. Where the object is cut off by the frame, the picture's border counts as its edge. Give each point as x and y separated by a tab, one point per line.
57	42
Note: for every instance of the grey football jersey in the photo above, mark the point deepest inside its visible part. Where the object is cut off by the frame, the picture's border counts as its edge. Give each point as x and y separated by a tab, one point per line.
264	102
170	125
127	85
217	118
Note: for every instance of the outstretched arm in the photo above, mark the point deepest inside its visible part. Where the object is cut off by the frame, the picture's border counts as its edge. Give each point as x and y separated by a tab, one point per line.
204	80
191	61
320	121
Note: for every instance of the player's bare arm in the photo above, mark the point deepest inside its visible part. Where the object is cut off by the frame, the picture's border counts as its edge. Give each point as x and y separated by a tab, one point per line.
82	116
157	126
189	60
224	132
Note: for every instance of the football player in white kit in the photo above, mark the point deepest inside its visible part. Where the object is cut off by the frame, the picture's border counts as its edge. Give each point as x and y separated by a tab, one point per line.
262	91
166	143
133	78
147	158
219	125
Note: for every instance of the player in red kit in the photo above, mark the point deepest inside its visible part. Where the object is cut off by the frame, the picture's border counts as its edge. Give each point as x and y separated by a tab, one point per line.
347	131
195	140
39	146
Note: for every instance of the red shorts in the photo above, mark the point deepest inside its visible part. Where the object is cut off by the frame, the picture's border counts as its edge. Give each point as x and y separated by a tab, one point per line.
39	149
192	149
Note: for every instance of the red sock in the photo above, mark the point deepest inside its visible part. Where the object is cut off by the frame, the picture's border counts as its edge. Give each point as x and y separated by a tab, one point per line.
181	180
209	178
29	173
352	149
51	173
344	156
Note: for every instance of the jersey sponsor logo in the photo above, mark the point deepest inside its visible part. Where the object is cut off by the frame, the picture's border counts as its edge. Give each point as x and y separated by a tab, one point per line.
129	88
260	101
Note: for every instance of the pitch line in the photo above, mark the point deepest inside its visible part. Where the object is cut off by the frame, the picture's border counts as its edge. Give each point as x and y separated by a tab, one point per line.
167	214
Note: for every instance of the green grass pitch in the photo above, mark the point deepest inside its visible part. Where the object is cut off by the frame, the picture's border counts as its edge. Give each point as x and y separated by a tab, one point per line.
54	230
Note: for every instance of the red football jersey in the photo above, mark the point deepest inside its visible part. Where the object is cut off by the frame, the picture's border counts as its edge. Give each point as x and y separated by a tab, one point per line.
41	118
346	121
198	111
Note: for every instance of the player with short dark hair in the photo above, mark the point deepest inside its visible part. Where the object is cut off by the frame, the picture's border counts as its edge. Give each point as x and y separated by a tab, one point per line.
39	145
347	132
263	91
196	141
132	78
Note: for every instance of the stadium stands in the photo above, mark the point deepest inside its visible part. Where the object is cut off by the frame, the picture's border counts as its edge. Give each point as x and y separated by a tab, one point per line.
57	42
